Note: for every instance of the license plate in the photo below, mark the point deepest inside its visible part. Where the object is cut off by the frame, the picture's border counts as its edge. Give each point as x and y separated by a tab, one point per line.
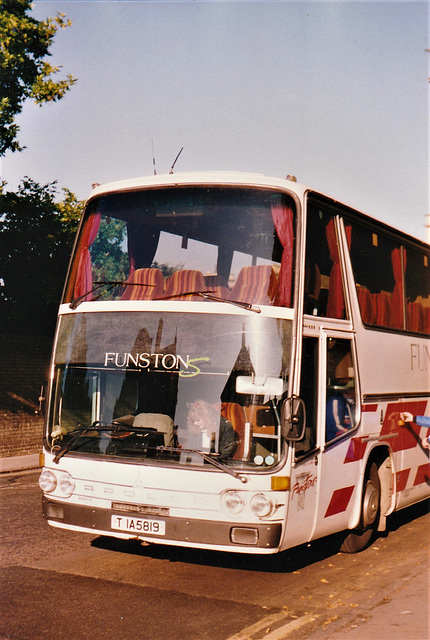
138	525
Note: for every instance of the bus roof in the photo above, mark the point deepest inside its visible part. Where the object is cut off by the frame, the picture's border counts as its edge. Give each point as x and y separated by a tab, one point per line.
238	178
199	178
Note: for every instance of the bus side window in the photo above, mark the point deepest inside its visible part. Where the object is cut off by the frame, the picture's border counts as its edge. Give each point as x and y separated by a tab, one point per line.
340	394
309	394
324	294
392	280
417	285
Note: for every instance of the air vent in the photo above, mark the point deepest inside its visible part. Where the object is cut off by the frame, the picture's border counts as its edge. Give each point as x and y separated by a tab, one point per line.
144	509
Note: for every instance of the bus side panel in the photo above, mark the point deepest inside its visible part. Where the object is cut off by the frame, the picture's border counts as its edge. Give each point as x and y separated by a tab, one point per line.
390	385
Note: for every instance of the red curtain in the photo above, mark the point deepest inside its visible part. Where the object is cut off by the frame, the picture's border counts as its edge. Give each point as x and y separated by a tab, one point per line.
283	220
398	297
130	254
336	300
84	277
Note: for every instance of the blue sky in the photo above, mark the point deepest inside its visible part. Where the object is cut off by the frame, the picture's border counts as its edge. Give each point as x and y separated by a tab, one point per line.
335	93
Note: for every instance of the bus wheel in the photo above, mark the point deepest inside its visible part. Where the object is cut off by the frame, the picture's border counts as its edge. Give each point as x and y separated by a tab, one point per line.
358	539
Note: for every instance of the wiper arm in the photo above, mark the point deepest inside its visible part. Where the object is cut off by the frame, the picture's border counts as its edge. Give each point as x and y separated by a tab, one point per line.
207	294
115	425
243	305
110	283
80	431
77	434
208	458
182	294
76	301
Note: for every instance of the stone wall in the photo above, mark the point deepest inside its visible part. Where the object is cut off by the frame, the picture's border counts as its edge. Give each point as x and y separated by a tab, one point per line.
20	434
24	366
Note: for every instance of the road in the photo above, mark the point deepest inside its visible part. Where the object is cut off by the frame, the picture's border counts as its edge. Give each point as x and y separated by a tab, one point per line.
73	586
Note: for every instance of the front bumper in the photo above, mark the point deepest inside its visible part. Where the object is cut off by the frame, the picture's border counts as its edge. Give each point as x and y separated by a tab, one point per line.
179	531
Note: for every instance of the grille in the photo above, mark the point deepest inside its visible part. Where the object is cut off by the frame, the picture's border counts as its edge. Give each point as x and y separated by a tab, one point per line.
144	509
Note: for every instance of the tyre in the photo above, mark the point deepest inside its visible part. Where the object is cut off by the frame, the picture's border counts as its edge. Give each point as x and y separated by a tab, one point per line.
361	537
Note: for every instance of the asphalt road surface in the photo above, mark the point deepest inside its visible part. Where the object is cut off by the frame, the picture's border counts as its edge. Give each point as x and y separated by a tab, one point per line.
57	585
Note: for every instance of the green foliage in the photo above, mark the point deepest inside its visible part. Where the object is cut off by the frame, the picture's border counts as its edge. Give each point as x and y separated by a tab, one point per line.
109	256
70	210
167	269
36	238
24	72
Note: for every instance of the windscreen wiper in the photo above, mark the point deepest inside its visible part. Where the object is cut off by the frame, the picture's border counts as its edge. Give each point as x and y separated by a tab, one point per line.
207	294
208	458
243	305
76	301
110	284
77	433
115	425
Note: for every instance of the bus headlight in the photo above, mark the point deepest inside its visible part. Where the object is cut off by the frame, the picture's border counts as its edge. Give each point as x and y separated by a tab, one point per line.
67	484
233	502
261	505
47	481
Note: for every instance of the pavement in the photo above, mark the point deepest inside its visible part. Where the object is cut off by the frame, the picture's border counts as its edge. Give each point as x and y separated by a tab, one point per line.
20	463
399	613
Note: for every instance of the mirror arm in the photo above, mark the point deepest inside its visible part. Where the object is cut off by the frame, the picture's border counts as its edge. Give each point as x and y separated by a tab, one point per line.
294	423
41	400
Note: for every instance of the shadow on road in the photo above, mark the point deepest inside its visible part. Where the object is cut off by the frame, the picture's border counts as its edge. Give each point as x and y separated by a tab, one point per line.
285	562
400	518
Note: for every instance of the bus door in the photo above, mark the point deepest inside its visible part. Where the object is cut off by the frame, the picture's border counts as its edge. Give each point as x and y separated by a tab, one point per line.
304	479
340	416
322	479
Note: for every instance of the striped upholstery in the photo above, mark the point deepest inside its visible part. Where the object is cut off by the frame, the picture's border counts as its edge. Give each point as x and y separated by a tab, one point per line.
219	292
255	285
148	284
183	282
213	286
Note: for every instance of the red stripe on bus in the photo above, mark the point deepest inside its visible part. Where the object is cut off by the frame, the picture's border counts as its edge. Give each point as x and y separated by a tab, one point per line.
423	474
356	450
339	501
407	434
369	408
402	478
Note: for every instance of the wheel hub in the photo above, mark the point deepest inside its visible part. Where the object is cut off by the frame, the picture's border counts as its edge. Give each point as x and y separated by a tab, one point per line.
370	504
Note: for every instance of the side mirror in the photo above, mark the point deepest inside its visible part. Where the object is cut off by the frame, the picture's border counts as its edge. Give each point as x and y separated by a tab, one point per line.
293	418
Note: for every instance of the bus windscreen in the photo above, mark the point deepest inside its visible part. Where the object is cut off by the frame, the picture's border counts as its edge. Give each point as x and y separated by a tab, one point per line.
186	243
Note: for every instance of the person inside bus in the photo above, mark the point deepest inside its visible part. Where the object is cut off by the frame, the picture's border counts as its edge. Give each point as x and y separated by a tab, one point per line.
421	421
206	426
339	409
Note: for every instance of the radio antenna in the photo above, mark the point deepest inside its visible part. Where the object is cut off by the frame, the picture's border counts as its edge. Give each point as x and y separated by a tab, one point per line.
153	157
174	162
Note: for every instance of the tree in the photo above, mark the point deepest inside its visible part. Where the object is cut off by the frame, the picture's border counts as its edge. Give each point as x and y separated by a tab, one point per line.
36	239
24	71
110	258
